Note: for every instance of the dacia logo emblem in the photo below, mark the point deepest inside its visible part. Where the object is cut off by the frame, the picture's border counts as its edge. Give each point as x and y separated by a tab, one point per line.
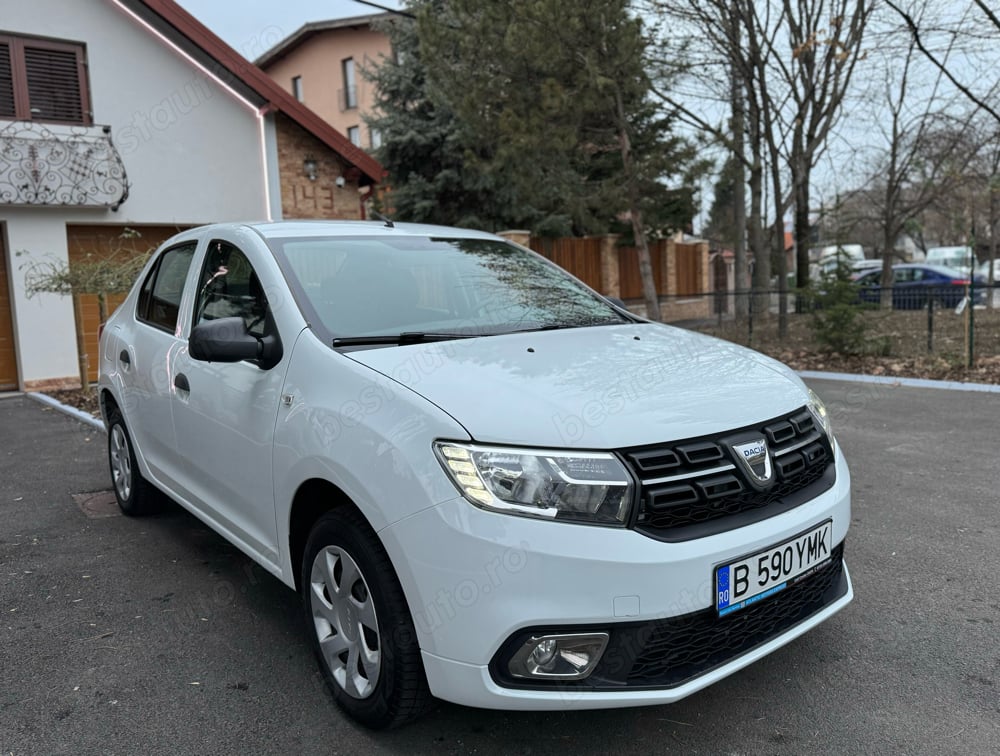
756	460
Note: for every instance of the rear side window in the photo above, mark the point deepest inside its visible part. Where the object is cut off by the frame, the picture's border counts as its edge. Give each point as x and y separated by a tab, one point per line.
160	296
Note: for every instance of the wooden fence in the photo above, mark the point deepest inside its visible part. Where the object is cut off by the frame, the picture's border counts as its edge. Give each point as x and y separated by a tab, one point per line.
581	257
680	270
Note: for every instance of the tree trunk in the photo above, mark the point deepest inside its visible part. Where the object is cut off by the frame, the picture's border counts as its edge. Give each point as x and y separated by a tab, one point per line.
741	284
761	255
994	228
889	228
81	345
779	249
649	292
800	181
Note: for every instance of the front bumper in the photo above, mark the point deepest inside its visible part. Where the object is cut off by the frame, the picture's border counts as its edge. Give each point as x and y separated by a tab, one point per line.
473	685
477	582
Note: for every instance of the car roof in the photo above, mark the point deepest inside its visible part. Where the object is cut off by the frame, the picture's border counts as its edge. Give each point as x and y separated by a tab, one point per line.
943	270
326	228
948	251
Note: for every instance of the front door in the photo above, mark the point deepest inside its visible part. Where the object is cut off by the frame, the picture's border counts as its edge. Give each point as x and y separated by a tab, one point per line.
224	413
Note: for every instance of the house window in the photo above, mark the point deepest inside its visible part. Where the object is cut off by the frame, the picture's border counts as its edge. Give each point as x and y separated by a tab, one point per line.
297	87
350	84
43	80
375	137
354	134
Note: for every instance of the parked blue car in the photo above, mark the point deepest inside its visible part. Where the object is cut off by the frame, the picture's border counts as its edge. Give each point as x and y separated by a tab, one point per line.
913	284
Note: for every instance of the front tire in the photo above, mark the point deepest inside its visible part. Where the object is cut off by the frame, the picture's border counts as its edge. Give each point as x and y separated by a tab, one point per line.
136	497
359	624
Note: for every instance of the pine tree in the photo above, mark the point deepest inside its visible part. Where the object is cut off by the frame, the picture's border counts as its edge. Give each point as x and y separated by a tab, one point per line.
423	148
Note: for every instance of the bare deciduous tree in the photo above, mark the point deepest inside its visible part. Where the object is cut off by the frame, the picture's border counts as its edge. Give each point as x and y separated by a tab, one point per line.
794	61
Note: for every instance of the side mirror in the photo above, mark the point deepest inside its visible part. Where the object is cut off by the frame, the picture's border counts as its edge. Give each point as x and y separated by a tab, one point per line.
227	340
617	302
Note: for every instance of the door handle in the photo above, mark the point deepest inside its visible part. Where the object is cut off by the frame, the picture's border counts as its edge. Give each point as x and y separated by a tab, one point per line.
125	359
181	382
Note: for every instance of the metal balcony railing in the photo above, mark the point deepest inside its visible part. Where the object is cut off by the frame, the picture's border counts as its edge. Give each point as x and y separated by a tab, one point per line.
47	164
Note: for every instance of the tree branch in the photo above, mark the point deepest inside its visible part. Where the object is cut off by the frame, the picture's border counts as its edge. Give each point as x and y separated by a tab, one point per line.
915	31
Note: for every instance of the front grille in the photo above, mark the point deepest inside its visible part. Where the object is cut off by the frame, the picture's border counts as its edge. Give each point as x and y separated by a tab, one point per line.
697	487
669	652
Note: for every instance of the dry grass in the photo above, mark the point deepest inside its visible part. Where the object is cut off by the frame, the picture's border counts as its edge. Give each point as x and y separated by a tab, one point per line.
897	345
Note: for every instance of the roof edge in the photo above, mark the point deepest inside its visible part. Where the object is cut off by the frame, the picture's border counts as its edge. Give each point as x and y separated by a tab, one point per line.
307	30
255	79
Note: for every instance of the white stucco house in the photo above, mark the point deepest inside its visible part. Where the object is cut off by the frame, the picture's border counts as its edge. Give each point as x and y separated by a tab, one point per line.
120	114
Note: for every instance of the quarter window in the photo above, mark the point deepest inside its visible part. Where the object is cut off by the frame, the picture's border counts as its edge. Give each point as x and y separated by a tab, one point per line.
43	80
160	296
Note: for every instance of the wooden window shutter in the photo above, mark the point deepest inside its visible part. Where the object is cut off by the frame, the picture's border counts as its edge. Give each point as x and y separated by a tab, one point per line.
56	82
7	105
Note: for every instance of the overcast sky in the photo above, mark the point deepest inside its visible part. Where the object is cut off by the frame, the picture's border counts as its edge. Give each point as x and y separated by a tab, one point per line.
254	26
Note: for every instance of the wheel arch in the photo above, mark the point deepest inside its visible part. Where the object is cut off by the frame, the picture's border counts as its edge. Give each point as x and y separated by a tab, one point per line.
313	498
107	402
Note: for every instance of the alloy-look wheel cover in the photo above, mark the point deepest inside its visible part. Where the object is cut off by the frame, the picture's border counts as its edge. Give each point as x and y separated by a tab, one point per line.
121	463
345	621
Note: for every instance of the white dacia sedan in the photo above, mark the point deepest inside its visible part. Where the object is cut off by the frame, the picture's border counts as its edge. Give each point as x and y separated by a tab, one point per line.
488	483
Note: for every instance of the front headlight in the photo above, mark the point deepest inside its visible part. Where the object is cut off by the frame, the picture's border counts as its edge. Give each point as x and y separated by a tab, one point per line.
820	414
591	487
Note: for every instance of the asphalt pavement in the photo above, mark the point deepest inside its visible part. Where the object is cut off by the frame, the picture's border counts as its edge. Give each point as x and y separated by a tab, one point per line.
154	636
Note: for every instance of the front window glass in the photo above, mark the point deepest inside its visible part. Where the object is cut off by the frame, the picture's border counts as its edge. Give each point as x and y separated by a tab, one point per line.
367	286
230	288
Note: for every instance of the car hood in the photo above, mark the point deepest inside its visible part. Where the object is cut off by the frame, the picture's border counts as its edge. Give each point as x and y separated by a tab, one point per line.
602	387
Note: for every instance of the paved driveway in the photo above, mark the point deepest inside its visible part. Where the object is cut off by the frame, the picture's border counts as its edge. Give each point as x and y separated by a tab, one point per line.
155	636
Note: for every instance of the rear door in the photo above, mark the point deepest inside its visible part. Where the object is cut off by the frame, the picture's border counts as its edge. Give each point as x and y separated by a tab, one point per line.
147	346
907	289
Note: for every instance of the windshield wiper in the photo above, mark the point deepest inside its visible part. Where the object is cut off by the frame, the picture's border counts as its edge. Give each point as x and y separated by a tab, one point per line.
561	326
397	339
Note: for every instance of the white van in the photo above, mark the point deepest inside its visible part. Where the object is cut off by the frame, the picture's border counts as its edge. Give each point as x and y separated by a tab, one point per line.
959	258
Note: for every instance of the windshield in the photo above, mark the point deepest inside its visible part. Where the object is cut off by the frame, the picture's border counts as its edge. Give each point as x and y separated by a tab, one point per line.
379	286
952	257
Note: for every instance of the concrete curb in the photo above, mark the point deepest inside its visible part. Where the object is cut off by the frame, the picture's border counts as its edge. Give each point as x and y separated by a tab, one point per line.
73	412
988	388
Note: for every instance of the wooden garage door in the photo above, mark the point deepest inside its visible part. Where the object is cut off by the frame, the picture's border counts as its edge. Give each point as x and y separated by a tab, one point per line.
101	241
8	358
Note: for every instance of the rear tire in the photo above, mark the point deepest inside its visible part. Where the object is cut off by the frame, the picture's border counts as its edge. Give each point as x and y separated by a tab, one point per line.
136	497
359	624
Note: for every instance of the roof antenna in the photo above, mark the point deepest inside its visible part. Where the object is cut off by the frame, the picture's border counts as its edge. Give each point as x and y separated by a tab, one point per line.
388	222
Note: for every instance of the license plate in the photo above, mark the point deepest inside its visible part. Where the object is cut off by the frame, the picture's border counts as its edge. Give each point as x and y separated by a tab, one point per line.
761	575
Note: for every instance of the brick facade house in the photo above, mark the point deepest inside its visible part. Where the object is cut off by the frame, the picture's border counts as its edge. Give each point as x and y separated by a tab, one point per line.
323	63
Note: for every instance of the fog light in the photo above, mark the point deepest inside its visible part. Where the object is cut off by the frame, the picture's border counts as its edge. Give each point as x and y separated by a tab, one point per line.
558	657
